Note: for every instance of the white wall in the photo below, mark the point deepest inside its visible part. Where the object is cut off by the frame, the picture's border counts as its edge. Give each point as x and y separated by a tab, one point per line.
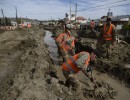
81	21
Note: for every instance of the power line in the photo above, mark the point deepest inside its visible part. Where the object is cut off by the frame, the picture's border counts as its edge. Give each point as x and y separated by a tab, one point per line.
75	11
4	5
44	13
102	5
108	7
8	3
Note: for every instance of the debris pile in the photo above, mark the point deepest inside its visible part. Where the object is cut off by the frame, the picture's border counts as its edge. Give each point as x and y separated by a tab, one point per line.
116	65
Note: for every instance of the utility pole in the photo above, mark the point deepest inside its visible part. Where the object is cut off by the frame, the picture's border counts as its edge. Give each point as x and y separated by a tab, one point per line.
51	24
16	14
108	14
2	13
21	21
70	14
3	16
26	19
109	10
75	11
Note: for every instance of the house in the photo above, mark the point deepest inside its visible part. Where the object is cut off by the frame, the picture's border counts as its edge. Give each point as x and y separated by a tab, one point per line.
81	20
118	20
13	23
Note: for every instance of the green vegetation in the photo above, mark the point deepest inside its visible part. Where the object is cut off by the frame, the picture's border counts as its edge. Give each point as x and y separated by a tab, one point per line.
126	27
5	22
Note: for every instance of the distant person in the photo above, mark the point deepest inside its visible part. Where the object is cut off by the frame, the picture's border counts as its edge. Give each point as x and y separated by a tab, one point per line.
92	25
40	25
28	25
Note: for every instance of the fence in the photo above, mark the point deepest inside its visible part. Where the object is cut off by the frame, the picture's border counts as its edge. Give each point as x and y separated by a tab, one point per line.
8	27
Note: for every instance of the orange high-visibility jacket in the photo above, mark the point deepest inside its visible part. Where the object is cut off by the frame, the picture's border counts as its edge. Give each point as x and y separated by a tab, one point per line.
28	25
62	37
66	46
108	32
92	24
22	25
70	64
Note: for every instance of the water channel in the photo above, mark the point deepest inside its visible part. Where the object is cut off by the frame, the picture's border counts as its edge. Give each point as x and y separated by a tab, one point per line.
52	48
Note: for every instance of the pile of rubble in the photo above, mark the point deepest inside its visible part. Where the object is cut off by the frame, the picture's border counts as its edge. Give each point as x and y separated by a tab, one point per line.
102	92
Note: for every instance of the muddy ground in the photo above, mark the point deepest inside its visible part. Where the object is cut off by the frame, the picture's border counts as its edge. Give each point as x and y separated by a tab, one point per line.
119	62
24	61
30	69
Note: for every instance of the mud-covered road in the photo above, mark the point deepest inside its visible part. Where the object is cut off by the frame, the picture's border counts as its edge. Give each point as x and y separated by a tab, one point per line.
30	69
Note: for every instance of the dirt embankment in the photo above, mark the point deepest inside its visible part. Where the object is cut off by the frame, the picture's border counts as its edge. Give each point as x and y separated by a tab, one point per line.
26	71
24	61
119	62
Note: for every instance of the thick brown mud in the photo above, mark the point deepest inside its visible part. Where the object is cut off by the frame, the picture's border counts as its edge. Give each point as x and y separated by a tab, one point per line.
109	87
31	70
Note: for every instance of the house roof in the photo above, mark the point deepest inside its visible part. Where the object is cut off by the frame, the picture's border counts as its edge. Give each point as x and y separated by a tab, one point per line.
80	18
118	18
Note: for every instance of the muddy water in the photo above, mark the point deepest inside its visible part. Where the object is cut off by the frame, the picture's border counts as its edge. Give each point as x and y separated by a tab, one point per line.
123	92
52	48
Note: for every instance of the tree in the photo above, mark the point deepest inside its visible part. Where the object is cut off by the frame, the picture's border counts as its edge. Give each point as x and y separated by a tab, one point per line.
7	22
126	26
19	20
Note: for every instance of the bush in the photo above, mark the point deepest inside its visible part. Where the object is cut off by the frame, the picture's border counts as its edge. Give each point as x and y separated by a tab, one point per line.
126	27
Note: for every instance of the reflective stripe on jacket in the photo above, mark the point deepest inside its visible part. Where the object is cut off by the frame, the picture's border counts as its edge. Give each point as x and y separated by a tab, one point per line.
66	46
108	32
70	64
61	37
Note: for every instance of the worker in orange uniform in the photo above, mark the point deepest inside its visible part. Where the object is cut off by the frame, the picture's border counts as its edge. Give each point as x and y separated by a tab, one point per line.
79	62
67	47
92	25
22	25
28	25
60	41
108	37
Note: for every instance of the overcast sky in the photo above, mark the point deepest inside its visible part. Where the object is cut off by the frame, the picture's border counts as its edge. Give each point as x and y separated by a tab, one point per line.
47	9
